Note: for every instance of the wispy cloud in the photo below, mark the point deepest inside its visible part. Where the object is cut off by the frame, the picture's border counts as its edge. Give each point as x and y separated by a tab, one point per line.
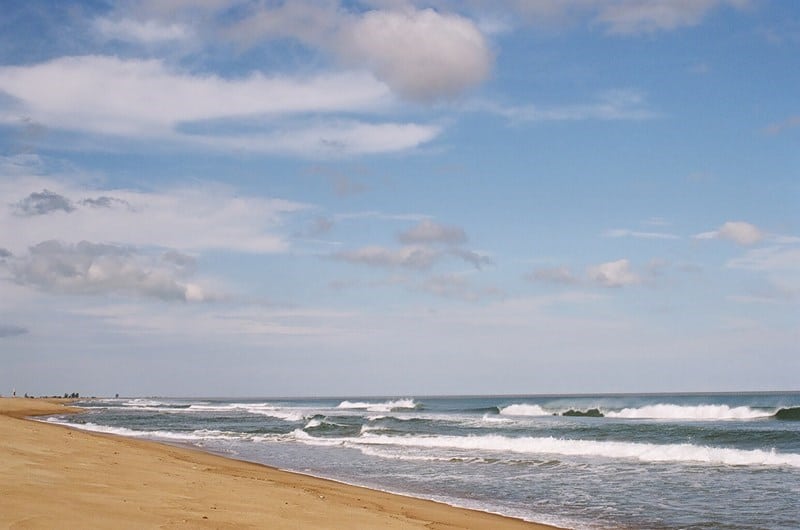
783	126
204	217
612	105
621	232
149	100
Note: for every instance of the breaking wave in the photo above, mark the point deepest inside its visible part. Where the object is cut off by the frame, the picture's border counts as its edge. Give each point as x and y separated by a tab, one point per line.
385	406
686	412
524	410
683	453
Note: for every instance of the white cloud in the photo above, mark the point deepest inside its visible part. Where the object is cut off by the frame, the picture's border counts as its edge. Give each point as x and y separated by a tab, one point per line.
649	16
640	235
193	219
145	99
740	232
612	105
332	139
613	274
622	17
91	268
147	32
769	259
421	54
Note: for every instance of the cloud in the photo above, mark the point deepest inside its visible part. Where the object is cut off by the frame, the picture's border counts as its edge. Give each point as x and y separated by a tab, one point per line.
558	275
620	17
629	17
428	232
612	105
613	274
457	286
197	218
104	202
44	202
5	253
409	257
475	259
10	330
423	55
147	100
92	268
145	32
782	126
777	258
640	235
739	232
419	258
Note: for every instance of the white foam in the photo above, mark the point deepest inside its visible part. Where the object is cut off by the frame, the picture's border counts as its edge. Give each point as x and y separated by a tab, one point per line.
523	409
385	406
193	436
665	411
262	409
645	452
313	423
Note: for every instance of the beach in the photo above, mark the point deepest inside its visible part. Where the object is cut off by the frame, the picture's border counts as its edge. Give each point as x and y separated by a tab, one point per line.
57	477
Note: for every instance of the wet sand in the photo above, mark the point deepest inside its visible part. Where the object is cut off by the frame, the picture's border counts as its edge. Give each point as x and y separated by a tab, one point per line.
55	477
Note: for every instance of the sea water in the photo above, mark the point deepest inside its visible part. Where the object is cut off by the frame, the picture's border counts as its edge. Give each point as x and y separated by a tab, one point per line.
721	461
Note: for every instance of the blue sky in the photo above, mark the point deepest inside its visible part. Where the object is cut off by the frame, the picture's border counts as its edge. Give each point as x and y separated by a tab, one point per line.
238	197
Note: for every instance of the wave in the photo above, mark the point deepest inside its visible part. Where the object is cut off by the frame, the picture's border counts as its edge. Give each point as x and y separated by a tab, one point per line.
523	409
261	409
189	436
385	406
681	453
788	414
665	411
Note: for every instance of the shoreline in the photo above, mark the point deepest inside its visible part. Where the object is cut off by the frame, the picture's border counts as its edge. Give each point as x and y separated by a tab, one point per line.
54	475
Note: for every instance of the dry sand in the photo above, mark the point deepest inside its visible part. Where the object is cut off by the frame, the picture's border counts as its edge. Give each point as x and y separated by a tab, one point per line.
55	477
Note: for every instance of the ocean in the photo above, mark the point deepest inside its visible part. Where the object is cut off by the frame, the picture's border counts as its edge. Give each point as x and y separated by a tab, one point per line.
694	461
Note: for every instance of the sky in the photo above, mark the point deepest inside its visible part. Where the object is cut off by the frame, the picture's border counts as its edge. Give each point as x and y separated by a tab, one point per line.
377	197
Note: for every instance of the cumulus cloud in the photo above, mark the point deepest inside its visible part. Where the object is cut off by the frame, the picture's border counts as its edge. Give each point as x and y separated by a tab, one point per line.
93	268
43	202
740	232
422	54
11	330
427	232
613	274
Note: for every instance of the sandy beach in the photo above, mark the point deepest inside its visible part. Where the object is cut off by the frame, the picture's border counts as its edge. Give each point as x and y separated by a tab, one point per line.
56	477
